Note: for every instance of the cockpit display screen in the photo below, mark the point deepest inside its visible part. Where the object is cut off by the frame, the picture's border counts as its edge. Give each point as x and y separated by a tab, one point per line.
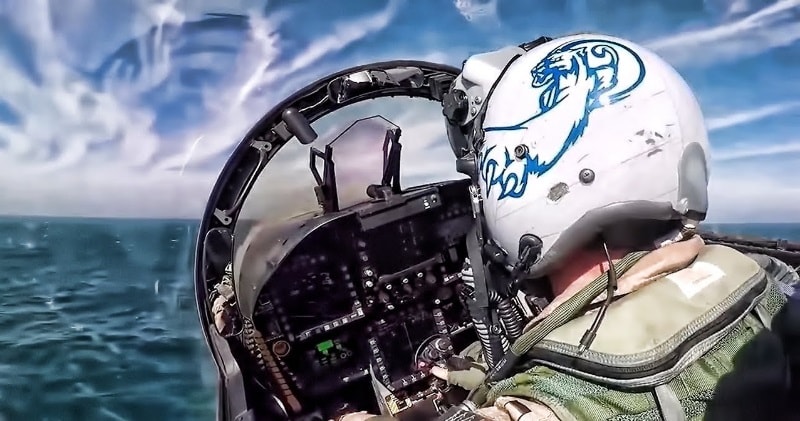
316	297
410	247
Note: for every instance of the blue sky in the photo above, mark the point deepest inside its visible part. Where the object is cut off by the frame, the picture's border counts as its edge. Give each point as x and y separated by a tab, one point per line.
129	108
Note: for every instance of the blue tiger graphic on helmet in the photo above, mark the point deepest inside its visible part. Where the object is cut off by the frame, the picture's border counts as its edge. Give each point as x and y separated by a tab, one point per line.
586	69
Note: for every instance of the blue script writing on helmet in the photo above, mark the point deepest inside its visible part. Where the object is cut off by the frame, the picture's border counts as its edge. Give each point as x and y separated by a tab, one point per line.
587	69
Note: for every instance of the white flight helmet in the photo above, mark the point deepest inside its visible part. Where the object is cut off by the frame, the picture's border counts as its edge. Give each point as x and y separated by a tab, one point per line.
582	138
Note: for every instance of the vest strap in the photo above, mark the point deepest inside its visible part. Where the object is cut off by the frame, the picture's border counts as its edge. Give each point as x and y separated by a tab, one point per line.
763	316
669	404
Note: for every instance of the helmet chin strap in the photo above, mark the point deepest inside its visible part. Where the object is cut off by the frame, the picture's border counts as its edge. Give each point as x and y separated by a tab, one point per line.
489	323
486	319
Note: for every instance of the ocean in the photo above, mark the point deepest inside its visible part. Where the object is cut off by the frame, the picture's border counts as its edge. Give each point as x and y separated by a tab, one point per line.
98	319
98	322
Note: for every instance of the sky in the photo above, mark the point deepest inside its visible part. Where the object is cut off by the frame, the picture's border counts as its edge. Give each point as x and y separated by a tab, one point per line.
130	108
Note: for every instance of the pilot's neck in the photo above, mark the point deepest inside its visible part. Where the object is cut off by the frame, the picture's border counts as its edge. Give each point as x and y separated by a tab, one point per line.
584	267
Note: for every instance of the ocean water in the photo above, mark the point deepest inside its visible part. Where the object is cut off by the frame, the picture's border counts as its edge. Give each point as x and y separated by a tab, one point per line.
98	320
785	231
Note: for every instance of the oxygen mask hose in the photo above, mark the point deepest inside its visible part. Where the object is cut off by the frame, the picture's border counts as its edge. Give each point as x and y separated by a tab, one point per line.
591	333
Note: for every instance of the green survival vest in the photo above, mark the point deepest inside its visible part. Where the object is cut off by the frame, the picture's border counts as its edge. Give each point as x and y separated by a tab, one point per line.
674	350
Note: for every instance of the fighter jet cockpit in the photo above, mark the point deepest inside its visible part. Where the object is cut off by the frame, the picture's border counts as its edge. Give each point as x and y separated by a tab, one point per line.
328	267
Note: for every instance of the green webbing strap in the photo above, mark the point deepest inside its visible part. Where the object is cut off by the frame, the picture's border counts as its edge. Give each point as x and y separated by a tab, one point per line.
668	404
764	316
560	315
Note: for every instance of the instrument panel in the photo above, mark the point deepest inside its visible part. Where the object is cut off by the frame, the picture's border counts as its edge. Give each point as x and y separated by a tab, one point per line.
349	313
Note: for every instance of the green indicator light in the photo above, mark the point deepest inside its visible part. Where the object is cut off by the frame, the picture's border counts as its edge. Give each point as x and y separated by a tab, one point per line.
325	346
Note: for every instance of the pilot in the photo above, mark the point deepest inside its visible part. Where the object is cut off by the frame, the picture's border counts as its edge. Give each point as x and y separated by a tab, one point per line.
591	156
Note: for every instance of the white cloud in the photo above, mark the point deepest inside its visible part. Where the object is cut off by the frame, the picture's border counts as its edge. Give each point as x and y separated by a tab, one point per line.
729	8
89	192
752	197
755	150
478	11
749	116
65	120
773	26
746	190
236	114
738	6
